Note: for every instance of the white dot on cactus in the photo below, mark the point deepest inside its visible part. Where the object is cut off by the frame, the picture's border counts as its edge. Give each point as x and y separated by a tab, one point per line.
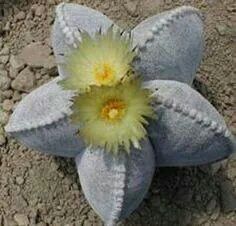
178	108
199	117
155	29
168	103
213	125
170	20
219	130
193	113
185	110
206	121
227	133
66	30
150	36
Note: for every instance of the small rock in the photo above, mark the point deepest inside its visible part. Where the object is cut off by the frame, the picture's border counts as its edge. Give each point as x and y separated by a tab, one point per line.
38	76
5	51
41	224
3	117
7	104
35	55
4	59
1	42
4	55
9	222
28	37
2	139
51	2
19	180
211	206
16	96
228	198
16	62
4	80
7	93
7	26
1	28
131	7
13	72
221	28
231	173
21	219
24	81
40	10
1	97
50	66
20	16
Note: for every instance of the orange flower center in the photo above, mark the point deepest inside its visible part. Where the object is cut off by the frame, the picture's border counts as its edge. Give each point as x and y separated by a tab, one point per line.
104	74
113	110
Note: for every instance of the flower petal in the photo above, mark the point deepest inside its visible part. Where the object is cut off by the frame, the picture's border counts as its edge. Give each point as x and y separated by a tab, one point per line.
40	121
170	44
189	130
115	185
70	20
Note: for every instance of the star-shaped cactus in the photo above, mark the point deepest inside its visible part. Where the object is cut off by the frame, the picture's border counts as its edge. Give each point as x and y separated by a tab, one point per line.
188	129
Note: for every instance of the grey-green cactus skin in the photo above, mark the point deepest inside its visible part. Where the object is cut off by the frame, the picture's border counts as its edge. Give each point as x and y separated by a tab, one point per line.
115	185
171	45
70	20
188	129
41	121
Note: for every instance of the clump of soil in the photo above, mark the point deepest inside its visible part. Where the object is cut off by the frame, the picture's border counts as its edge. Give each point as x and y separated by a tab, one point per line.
40	190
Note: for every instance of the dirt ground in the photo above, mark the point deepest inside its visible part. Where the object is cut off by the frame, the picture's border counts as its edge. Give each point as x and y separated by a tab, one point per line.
40	190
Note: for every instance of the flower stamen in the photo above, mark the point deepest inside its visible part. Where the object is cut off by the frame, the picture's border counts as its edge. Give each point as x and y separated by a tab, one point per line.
104	74
113	110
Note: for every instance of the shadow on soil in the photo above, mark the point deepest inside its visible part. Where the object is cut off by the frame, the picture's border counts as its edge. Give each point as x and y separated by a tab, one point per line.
177	196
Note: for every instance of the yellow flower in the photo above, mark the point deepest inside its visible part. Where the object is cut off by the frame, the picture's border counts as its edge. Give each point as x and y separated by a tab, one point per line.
111	117
100	61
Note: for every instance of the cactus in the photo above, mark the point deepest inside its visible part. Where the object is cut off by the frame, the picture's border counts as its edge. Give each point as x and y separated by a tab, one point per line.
188	129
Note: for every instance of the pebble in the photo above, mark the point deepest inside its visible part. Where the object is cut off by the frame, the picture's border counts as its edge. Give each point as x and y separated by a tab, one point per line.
228	198
7	26
2	139
4	55
40	10
5	82
12	72
20	180
21	219
4	59
7	105
7	93
16	62
51	2
211	206
16	96
20	16
3	117
221	28
50	66
1	42
1	97
5	51
35	55
131	7
24	81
